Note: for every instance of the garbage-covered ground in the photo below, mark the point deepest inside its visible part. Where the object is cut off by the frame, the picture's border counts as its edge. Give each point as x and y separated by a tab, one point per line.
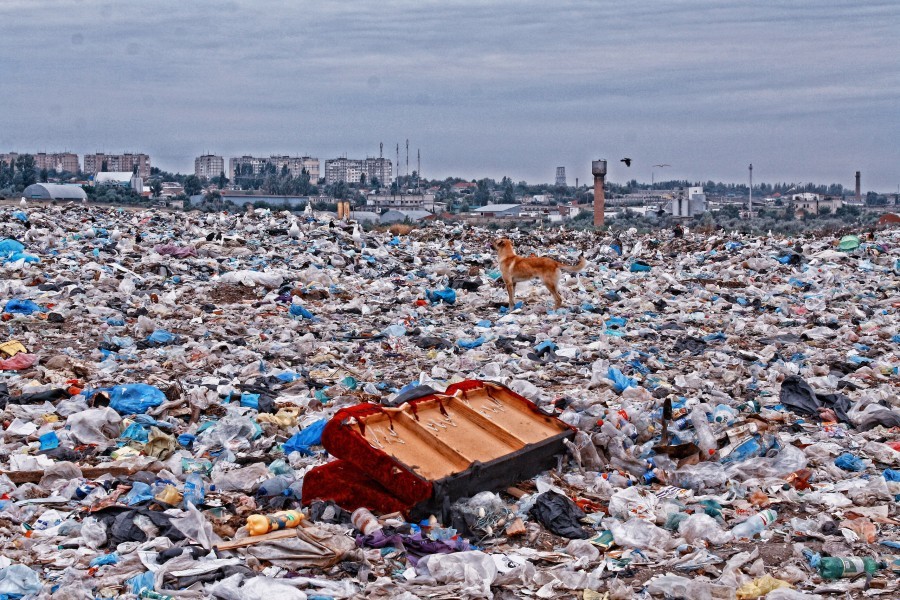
166	376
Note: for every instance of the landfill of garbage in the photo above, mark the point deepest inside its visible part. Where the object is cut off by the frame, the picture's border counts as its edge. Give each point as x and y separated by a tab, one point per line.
167	376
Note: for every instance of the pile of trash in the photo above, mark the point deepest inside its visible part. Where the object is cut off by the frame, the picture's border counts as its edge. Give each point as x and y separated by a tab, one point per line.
167	378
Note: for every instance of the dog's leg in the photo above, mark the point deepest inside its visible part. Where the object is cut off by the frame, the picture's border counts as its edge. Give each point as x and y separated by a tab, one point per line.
511	290
552	283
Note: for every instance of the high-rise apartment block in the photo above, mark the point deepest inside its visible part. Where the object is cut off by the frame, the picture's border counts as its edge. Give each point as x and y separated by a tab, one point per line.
53	161
209	166
94	163
351	170
251	165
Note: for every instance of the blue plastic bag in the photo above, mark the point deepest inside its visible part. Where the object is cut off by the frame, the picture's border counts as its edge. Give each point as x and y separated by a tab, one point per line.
447	296
29	258
849	462
616	322
620	381
9	246
139	583
22	307
140	492
137	433
505	308
639	267
302	440
891	475
105	559
298	311
49	441
469	344
161	337
250	400
134	398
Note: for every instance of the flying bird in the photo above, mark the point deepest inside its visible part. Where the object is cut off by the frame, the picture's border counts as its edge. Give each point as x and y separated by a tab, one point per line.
666	165
627	161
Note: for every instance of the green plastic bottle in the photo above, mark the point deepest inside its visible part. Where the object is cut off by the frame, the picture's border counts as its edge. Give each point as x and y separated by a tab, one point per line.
832	567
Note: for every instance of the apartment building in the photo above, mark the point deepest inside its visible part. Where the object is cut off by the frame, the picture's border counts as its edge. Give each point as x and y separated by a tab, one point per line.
209	166
94	163
52	161
351	170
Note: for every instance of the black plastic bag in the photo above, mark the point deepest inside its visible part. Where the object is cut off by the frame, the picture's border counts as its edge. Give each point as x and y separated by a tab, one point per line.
560	515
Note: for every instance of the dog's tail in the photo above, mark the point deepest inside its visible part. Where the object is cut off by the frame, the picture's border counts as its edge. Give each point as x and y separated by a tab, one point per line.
576	267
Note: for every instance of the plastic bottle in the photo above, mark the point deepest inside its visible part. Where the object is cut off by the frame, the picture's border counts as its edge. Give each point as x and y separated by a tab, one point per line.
755	524
365	521
832	567
194	490
260	524
706	439
273	486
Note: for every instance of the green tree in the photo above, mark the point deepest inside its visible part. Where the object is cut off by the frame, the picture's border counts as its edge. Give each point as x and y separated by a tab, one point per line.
192	185
222	181
25	173
156	188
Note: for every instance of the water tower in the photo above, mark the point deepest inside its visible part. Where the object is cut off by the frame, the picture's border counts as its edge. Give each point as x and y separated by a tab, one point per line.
598	168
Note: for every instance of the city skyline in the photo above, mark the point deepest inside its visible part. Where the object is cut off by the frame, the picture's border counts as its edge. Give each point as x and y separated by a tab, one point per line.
804	92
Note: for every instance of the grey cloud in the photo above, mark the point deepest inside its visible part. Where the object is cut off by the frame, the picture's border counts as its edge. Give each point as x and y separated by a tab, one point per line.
483	88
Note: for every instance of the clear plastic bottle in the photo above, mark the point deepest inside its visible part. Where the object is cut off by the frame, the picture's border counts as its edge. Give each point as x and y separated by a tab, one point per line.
274	486
706	439
755	524
194	490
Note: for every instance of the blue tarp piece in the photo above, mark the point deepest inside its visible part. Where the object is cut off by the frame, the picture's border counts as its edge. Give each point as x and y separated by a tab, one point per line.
22	307
302	440
20	216
288	376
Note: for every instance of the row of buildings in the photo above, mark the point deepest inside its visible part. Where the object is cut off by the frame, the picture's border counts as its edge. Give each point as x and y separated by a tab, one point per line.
349	170
93	163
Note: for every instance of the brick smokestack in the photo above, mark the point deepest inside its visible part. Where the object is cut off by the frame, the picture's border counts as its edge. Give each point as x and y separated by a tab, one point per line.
598	168
858	191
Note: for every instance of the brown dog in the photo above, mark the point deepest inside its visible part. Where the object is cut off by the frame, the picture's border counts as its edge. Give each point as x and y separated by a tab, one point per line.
515	268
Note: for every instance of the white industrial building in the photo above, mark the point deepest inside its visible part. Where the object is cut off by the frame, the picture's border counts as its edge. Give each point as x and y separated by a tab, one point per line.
687	203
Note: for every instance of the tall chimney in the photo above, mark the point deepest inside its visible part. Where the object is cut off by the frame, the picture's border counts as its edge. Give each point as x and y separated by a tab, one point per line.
858	191
598	168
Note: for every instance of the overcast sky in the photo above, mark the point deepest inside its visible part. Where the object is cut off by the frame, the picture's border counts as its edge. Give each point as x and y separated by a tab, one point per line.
806	91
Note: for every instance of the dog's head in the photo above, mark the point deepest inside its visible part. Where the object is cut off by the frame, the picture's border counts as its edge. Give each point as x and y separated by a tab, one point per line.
502	245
